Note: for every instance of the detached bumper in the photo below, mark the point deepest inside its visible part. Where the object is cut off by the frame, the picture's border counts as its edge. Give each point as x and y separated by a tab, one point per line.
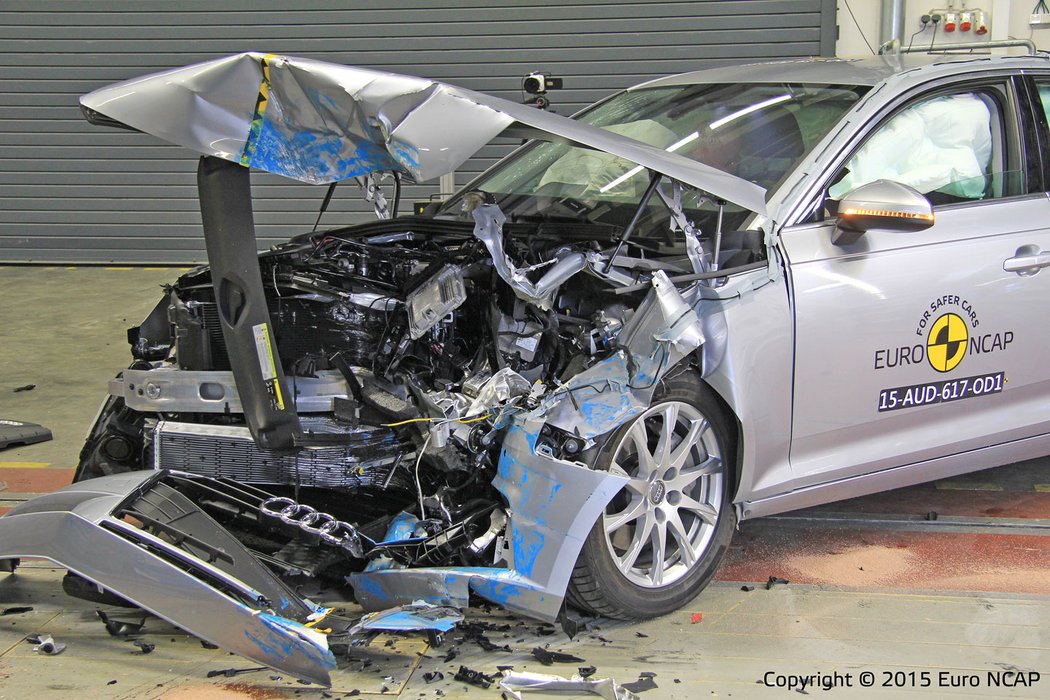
137	536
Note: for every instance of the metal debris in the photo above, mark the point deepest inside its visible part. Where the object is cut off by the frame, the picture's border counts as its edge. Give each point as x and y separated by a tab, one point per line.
25	387
414	617
433	676
587	671
515	683
45	644
747	589
775	580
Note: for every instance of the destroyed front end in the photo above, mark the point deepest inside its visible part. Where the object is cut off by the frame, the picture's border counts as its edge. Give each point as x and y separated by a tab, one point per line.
501	399
445	409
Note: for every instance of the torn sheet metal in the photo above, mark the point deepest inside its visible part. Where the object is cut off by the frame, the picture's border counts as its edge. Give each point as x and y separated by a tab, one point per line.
321	122
553	505
499	389
602	397
46	644
452	586
134	535
418	616
665	325
515	683
489	230
682	329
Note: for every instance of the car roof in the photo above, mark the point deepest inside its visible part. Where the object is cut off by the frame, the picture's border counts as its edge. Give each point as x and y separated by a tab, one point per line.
869	70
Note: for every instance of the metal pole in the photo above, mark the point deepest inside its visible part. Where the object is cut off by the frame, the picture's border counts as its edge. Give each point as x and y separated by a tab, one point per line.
892	21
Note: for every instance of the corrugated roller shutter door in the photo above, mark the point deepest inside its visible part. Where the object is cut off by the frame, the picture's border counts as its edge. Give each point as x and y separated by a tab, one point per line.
71	192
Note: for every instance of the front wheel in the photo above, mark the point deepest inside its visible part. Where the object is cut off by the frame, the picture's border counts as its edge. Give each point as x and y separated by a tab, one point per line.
661	538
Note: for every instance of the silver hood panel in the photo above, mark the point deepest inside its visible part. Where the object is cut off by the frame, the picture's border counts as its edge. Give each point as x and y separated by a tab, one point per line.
320	122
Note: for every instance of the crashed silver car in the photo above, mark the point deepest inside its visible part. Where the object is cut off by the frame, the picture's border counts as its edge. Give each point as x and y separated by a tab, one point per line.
711	297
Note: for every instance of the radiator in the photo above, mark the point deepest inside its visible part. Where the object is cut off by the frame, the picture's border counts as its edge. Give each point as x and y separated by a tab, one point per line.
376	458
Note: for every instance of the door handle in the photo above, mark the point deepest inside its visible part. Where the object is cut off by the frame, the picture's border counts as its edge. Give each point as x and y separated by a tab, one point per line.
1028	260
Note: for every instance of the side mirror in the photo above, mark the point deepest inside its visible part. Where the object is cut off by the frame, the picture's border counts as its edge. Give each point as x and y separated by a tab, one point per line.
881	204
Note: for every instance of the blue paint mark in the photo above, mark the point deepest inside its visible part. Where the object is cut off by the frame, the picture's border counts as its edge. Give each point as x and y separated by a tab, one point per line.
413	617
527	545
498	591
286	638
314	156
407	156
401	528
369	588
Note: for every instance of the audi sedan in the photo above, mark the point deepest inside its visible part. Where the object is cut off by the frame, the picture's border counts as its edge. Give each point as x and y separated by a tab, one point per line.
710	297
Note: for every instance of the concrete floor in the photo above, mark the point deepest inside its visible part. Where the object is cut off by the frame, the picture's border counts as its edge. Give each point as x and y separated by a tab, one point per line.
875	586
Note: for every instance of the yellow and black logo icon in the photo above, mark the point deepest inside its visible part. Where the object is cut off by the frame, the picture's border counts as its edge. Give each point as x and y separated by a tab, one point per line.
946	343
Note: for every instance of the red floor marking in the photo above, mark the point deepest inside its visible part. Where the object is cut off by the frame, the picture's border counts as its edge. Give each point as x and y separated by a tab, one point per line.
920	500
1009	563
36	480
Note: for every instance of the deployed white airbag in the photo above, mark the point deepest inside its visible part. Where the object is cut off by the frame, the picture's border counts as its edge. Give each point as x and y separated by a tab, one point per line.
942	144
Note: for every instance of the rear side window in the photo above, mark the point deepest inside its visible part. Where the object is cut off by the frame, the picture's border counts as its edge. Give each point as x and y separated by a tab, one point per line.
1044	97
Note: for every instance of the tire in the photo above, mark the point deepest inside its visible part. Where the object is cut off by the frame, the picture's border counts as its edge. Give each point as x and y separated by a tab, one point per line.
688	509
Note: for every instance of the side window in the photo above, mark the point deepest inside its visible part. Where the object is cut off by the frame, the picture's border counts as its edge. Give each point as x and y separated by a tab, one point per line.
1044	97
951	148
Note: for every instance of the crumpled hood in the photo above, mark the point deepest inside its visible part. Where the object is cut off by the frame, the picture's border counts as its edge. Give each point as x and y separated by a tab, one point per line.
320	122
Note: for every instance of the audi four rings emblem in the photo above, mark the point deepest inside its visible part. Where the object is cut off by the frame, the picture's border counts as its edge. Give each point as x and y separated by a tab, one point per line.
315	524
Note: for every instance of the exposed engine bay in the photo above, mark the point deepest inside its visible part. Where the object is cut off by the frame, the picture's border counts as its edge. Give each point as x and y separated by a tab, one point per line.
410	348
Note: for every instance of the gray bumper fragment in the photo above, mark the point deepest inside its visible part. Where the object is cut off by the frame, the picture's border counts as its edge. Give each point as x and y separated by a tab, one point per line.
90	529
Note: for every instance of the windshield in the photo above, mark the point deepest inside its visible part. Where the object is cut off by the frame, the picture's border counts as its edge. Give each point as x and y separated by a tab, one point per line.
757	132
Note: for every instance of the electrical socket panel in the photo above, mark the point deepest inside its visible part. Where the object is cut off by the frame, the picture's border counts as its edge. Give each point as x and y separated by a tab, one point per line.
1039	21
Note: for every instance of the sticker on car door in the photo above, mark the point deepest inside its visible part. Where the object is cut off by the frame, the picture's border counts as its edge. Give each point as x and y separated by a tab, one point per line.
947	332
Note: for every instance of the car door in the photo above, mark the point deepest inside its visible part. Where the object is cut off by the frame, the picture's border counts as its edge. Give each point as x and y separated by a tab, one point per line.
918	345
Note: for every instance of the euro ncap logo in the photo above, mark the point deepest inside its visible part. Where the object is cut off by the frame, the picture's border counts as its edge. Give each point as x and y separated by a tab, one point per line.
946	343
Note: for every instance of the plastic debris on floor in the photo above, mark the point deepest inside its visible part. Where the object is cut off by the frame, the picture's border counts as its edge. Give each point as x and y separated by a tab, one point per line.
45	644
517	683
414	617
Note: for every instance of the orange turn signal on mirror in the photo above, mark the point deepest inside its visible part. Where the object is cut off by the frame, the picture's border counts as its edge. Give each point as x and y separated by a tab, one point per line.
853	211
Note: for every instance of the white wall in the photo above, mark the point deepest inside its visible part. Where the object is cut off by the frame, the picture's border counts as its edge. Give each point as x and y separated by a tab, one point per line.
1008	20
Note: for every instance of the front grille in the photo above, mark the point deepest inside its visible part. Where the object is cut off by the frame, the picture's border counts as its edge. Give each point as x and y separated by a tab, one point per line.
373	458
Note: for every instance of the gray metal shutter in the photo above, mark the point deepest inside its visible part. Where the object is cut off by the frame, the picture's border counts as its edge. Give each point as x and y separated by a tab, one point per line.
71	192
